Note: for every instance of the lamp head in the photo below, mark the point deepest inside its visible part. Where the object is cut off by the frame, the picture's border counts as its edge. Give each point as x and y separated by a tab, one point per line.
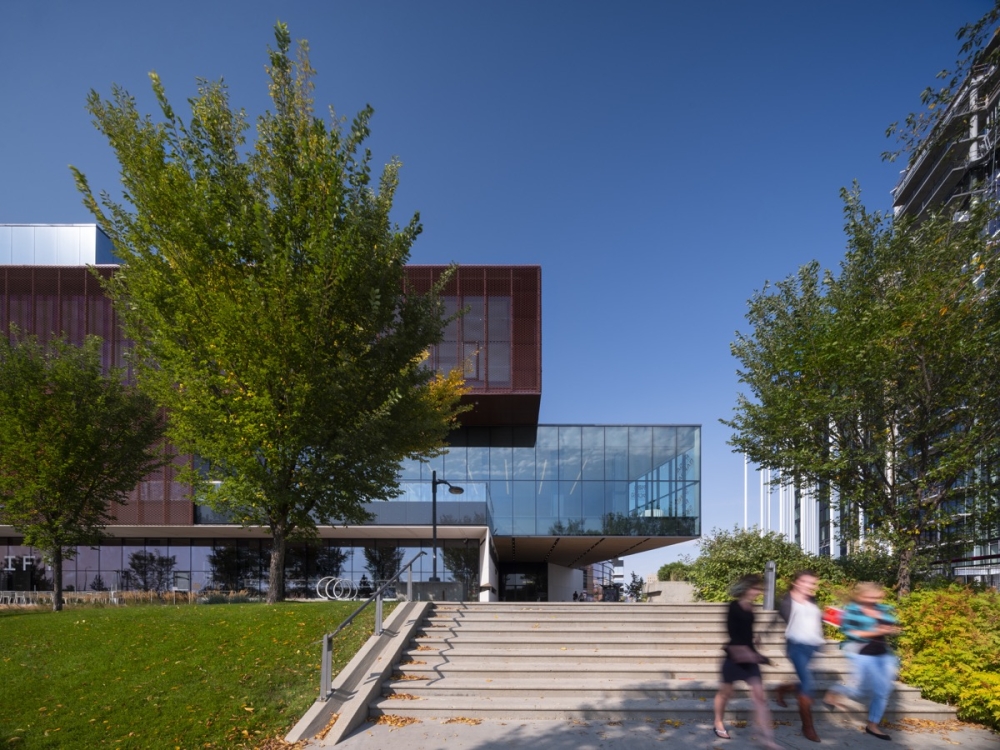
455	490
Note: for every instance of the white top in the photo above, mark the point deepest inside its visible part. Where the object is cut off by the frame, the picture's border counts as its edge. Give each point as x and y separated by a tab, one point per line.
805	625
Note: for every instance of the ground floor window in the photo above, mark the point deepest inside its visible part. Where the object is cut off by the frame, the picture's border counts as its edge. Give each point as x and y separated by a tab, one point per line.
242	564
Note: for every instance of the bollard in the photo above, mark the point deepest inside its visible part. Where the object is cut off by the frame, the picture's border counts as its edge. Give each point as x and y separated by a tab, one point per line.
769	583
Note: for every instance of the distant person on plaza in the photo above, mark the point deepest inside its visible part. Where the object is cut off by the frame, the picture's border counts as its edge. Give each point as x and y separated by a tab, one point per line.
742	660
576	597
803	638
867	622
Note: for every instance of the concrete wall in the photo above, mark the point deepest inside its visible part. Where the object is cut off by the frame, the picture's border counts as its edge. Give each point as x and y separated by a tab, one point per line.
563	582
489	575
669	592
440	591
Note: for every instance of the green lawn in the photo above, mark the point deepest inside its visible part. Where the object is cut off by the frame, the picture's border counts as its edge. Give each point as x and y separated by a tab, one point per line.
186	676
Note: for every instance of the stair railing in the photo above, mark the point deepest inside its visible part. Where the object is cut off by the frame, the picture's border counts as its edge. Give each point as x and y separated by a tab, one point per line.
326	663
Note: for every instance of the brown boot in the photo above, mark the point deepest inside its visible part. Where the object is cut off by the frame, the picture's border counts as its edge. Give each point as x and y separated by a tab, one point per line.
782	690
806	712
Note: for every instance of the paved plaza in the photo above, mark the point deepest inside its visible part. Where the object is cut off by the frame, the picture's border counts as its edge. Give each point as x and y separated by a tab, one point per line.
602	735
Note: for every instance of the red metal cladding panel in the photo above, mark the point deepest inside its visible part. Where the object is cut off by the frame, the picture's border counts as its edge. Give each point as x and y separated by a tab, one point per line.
48	301
496	341
159	500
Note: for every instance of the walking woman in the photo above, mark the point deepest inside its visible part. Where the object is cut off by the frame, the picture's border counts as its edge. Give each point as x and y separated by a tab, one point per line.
743	661
867	621
803	638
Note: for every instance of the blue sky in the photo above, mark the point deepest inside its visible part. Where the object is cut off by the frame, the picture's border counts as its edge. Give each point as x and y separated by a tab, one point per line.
660	160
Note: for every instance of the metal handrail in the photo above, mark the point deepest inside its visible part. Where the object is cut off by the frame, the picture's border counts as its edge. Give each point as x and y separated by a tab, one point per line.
326	668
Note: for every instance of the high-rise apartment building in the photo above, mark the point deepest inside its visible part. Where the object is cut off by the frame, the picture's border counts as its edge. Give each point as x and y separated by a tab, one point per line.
958	166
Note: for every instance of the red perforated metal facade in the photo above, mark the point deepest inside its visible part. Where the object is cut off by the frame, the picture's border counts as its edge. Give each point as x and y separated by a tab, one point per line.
49	300
496	341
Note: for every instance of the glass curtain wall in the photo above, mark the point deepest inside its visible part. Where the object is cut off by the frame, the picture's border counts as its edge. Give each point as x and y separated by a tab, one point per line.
558	480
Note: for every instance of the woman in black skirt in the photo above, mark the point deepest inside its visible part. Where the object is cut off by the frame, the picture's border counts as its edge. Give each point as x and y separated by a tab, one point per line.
742	660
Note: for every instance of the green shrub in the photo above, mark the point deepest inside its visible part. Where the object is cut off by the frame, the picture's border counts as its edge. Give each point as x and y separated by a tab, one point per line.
871	563
226	599
673	571
950	649
725	556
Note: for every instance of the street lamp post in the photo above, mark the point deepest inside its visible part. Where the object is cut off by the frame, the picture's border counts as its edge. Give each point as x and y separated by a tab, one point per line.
434	518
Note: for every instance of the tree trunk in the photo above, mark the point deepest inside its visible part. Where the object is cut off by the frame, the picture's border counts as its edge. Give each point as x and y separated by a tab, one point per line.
57	583
906	569
276	574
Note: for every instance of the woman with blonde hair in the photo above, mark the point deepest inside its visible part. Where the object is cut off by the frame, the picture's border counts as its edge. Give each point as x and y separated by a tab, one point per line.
867	622
742	660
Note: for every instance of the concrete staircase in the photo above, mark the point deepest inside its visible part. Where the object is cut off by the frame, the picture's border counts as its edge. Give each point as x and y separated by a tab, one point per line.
621	662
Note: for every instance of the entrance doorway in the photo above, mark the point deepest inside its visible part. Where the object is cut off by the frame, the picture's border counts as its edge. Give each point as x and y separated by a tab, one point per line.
524	582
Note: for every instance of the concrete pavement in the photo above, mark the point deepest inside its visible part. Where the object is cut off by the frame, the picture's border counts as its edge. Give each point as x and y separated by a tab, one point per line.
835	731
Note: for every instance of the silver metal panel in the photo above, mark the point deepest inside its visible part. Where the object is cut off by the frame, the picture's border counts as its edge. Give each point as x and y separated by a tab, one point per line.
22	251
69	244
45	246
5	245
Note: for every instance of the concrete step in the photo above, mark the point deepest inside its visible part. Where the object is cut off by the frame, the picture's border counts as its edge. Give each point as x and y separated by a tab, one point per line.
601	627
618	708
572	669
586	615
583	688
528	655
581	640
581	661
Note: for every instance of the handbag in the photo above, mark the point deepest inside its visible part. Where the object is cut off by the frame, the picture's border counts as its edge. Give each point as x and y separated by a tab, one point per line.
746	655
833	616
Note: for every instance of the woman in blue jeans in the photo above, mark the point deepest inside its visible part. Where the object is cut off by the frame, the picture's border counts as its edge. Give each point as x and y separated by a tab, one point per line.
867	622
803	638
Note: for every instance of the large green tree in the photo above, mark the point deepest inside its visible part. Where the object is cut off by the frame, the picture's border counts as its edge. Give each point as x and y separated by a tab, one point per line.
879	384
74	440
265	290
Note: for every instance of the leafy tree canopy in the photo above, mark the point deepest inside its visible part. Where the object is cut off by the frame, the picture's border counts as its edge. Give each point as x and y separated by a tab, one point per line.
73	442
878	386
725	556
265	290
673	571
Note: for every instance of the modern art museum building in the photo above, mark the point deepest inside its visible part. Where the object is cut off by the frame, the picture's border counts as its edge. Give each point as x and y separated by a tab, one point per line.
542	508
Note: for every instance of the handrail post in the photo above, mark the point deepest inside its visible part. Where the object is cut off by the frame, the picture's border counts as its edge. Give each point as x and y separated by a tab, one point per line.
326	662
326	671
409	584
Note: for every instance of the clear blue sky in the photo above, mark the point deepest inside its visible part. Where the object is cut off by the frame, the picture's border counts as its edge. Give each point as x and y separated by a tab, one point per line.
659	160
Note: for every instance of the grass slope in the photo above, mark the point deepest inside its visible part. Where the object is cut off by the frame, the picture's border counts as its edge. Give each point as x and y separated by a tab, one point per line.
191	676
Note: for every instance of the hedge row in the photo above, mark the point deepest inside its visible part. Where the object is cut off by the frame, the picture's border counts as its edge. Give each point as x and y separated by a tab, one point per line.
950	649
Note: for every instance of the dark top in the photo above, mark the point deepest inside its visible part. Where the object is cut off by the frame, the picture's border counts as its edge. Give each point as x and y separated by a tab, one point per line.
739	623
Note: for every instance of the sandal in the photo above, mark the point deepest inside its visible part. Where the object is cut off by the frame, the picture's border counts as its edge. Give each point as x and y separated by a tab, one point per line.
722	734
832	701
